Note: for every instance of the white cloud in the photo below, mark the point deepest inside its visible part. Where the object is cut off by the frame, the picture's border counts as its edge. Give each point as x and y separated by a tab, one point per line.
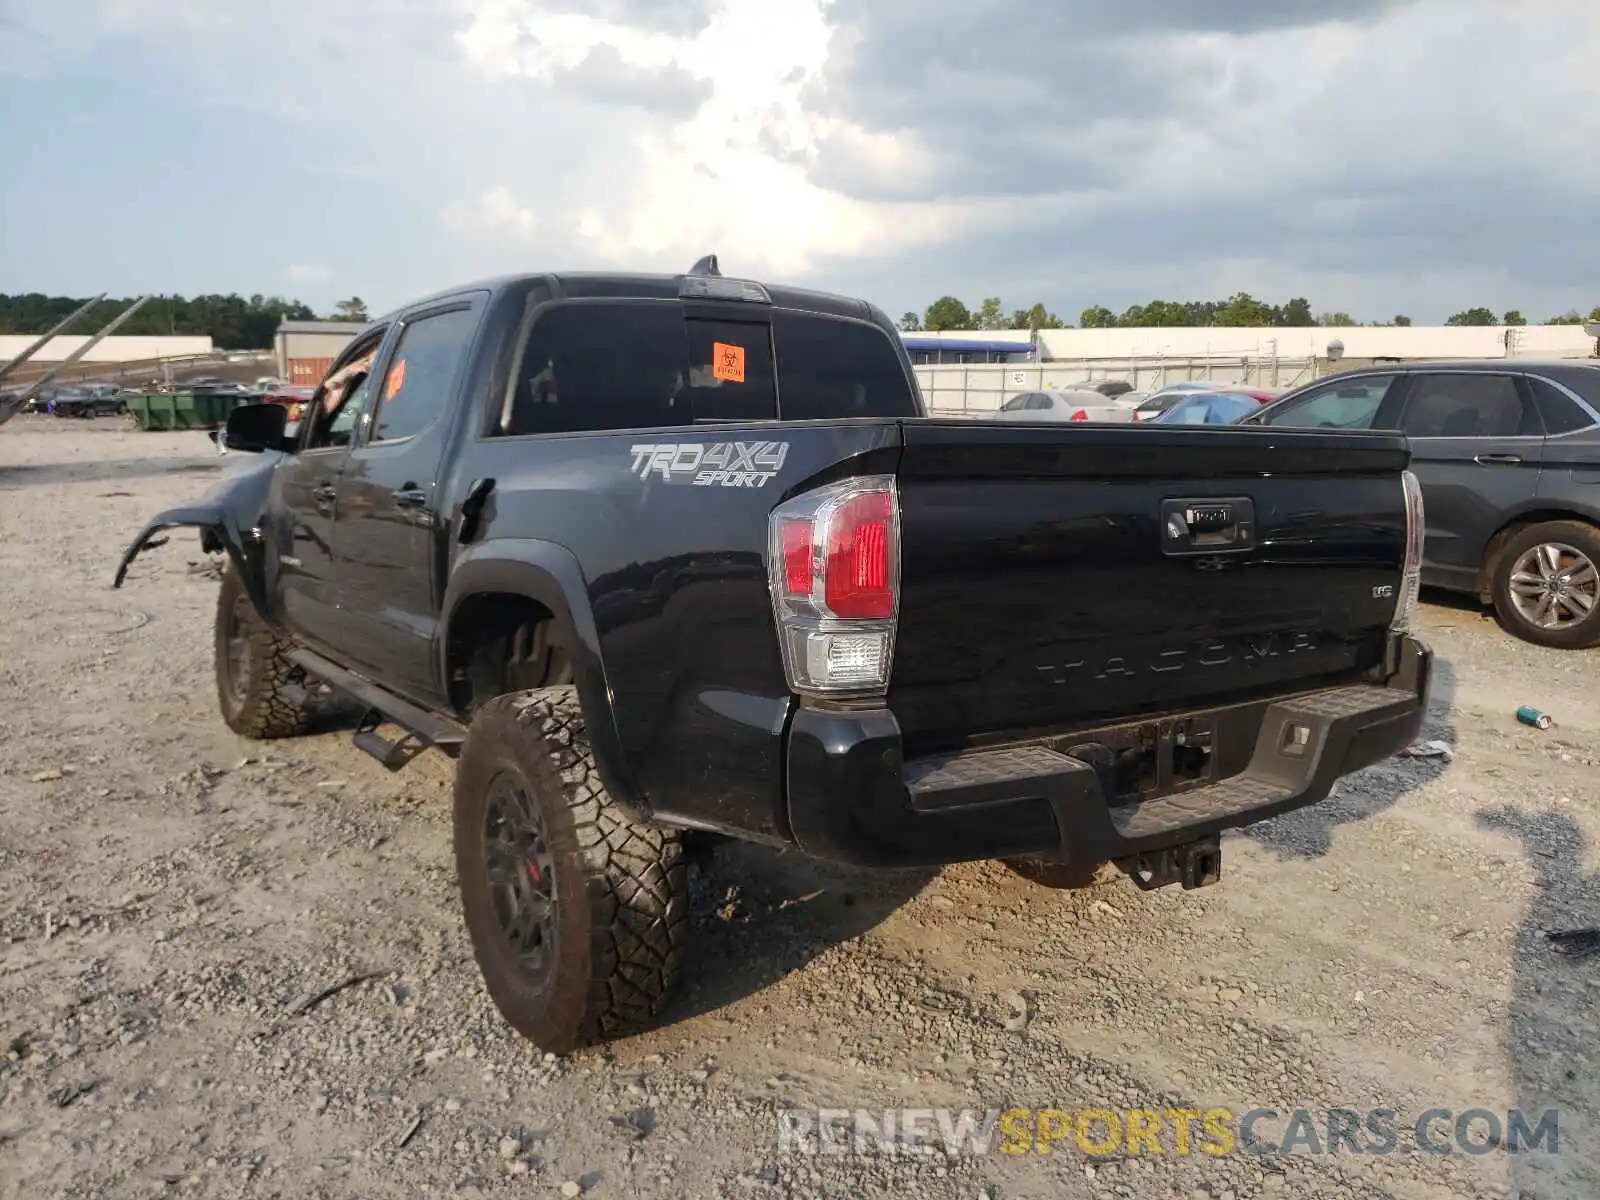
308	273
732	176
495	213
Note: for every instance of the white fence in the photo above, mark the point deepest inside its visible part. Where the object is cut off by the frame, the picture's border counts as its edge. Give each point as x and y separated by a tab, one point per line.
984	387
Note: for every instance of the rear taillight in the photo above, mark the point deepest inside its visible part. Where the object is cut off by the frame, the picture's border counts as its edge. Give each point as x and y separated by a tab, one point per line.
1080	415
1405	608
833	566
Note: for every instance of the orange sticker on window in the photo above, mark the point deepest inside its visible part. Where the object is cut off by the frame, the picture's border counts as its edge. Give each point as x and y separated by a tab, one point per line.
396	380
727	362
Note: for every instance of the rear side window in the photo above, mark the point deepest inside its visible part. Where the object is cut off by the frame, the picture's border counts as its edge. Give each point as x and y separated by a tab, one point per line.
1561	413
1467	406
1342	404
602	366
730	371
1017	402
837	368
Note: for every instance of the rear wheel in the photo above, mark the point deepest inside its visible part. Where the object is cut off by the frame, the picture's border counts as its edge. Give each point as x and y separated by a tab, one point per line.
577	914
1546	585
262	694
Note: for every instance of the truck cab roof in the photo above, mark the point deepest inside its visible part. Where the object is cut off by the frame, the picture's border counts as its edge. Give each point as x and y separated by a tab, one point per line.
622	285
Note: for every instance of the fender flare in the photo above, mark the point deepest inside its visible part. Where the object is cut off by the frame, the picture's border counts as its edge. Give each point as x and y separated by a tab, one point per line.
549	574
229	517
216	533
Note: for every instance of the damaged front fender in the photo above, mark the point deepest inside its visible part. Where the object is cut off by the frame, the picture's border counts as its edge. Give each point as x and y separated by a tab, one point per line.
228	518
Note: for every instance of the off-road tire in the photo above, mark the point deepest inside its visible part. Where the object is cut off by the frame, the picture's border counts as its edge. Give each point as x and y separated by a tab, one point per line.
620	914
274	699
1579	635
1061	877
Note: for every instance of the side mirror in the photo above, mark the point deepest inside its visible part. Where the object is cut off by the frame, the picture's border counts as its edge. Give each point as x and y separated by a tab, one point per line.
257	427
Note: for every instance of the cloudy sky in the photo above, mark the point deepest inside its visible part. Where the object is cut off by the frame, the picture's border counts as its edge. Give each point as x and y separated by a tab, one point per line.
1376	156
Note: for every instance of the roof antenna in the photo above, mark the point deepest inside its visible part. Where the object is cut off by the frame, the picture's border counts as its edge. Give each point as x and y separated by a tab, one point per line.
706	266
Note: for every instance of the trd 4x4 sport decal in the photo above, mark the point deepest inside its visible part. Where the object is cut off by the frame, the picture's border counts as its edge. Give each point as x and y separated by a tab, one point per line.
710	464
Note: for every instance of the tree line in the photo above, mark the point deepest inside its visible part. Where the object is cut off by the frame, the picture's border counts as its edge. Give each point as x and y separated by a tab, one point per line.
1240	310
232	322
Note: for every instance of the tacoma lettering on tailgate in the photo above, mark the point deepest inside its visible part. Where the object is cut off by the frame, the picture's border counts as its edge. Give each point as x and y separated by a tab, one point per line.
1214	653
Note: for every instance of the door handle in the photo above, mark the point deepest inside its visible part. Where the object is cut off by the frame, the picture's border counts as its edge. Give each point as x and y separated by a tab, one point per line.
327	493
1492	460
410	497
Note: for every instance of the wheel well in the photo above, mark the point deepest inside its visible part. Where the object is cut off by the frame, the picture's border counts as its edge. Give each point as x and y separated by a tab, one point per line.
1496	544
502	642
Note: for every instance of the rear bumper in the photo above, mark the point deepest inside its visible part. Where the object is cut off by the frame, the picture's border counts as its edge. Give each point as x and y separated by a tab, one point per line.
854	798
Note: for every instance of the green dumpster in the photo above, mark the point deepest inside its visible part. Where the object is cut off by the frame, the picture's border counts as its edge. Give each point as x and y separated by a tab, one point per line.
199	409
163	410
212	407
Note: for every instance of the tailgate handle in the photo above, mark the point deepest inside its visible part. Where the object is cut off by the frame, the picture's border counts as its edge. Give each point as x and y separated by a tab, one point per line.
1214	525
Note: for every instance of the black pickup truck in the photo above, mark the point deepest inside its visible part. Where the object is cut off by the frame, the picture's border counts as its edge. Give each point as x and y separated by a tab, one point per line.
664	556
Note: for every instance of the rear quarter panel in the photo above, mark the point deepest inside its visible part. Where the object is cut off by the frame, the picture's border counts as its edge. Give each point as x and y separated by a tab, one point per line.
674	572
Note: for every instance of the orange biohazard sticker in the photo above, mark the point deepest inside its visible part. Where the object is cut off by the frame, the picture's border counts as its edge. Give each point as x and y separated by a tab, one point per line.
727	362
396	381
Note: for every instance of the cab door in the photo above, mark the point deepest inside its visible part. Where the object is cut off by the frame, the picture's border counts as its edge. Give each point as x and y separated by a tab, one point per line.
305	591
388	515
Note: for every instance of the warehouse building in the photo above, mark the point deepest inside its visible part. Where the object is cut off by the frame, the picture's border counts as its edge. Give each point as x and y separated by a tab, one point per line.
1355	345
113	349
306	349
962	346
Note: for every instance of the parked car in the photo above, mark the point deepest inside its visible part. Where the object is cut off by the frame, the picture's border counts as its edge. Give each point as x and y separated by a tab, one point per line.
663	556
1064	406
1508	454
1158	402
1209	408
1107	387
89	401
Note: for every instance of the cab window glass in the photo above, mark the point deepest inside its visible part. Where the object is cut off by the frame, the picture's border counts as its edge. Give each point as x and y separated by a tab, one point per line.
422	373
730	371
340	400
601	366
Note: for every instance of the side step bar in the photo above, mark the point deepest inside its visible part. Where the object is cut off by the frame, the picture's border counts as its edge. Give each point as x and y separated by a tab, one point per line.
427	728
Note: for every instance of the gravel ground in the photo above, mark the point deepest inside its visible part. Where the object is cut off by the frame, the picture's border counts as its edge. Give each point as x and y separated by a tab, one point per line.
232	969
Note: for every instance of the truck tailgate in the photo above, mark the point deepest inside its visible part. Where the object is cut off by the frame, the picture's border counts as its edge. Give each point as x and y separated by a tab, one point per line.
1058	578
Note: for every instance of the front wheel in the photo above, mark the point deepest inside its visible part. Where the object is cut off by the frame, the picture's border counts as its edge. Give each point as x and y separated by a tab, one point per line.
1546	585
262	694
578	915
